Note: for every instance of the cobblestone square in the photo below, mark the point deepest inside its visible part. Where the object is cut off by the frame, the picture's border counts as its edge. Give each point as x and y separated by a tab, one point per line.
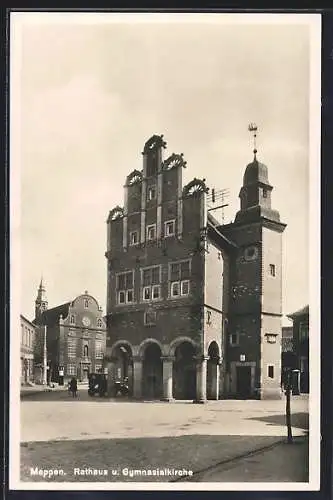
116	436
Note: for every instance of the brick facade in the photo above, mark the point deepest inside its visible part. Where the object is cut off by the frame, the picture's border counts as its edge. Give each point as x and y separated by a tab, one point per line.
187	297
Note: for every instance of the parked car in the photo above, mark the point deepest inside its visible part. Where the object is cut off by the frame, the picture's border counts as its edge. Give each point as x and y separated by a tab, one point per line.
97	384
121	387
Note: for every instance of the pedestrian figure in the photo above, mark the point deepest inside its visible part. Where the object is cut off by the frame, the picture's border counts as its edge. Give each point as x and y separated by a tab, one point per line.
73	387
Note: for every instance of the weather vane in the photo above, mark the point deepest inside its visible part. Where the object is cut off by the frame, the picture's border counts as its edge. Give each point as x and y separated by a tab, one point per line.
253	128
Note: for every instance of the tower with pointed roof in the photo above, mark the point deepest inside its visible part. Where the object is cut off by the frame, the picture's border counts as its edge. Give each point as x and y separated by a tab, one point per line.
255	321
41	303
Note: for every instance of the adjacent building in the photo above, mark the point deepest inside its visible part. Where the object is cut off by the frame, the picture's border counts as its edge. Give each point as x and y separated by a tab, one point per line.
194	306
300	321
27	350
75	334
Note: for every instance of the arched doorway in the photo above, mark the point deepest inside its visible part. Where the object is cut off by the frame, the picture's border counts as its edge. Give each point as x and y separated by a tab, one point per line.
123	365
213	371
184	372
152	376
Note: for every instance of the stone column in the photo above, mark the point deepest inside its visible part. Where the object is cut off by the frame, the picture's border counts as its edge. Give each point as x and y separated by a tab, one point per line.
110	364
215	379
137	377
201	380
167	378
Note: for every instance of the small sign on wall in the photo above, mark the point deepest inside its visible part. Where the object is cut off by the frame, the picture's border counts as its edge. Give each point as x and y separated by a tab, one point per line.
242	357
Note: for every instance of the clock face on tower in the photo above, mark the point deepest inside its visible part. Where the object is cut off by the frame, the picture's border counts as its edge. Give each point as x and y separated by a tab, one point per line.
85	321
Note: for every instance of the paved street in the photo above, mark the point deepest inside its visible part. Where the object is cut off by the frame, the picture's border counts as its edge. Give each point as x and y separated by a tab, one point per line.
113	435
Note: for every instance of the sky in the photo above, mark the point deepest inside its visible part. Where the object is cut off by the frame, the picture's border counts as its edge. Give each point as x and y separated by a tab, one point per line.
90	94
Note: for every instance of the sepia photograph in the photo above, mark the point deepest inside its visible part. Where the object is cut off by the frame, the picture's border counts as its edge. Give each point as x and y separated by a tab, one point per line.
164	251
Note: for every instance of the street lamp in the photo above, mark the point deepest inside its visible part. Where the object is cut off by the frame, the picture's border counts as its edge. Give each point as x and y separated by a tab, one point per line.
45	358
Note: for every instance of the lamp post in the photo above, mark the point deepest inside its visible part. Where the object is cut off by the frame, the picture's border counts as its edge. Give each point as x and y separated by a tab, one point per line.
288	414
45	358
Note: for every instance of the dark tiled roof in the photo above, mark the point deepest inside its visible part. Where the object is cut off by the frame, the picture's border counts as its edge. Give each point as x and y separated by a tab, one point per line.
51	316
213	224
301	312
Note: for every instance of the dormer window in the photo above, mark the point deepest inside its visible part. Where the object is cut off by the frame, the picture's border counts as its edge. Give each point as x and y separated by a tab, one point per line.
72	319
99	323
86	303
151	193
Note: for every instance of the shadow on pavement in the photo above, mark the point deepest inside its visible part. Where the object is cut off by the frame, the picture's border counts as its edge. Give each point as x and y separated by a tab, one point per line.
299	420
118	457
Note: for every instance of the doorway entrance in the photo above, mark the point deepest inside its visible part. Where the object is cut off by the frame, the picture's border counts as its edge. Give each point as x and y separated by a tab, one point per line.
244	389
152	372
85	374
184	372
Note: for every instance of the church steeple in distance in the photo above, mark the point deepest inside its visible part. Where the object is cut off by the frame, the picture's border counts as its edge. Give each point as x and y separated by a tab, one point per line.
41	302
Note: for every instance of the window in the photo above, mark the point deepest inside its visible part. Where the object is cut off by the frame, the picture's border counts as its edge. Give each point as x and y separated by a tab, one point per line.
98	368
150	318
146	293
151	232
270	371
264	193
99	323
179	273
134	237
233	339
272	270
125	287
156	292
185	287
85	351
99	350
72	320
71	370
169	228
175	289
303	331
151	289
71	348
86	303
151	193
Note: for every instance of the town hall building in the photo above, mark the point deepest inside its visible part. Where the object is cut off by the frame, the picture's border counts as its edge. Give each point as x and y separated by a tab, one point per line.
194	306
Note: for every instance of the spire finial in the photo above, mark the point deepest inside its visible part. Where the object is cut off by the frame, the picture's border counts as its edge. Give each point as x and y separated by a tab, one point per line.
253	128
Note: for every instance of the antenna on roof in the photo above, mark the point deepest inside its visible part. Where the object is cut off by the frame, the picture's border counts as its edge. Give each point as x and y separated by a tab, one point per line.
217	199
